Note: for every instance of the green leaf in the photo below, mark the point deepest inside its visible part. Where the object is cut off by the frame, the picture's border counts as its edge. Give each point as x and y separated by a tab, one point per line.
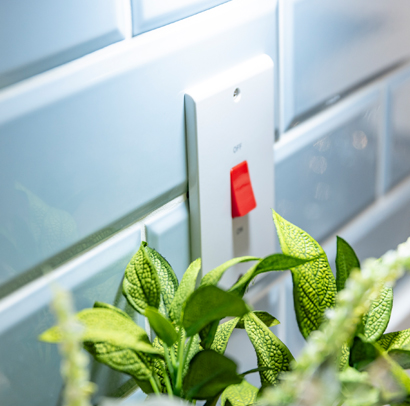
314	286
208	304
344	357
265	317
167	279
214	276
122	359
105	325
185	289
103	305
242	394
223	333
362	353
346	260
141	284
207	334
397	345
270	351
377	319
195	349
254	370
209	374
357	388
275	262
159	364
162	327
213	401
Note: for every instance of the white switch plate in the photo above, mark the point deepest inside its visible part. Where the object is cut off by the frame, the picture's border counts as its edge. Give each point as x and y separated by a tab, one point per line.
222	131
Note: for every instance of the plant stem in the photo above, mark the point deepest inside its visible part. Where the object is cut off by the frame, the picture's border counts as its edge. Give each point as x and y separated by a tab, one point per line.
181	346
173	358
154	385
169	364
167	382
188	349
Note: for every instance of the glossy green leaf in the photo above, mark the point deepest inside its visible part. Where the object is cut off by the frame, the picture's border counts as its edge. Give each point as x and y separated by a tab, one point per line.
397	345
162	326
275	262
103	305
362	353
167	279
124	360
103	325
242	394
208	304
314	286
213	401
223	333
395	341
346	260
270	351
208	333
209	374
265	317
141	284
185	289
377	319
214	276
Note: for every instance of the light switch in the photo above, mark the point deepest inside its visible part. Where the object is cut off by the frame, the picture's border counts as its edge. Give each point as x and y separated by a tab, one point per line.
242	197
230	126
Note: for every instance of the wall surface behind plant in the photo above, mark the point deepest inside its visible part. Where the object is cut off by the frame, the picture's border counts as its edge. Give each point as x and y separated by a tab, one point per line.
93	148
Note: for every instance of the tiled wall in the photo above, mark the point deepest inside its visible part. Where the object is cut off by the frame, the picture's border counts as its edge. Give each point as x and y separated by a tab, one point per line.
93	154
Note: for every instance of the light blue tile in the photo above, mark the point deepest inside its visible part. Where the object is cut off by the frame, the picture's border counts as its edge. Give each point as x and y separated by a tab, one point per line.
150	14
326	53
326	172
169	235
92	149
399	129
386	234
37	36
29	369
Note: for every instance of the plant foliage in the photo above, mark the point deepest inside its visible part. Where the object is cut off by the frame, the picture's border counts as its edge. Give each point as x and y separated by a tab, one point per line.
186	359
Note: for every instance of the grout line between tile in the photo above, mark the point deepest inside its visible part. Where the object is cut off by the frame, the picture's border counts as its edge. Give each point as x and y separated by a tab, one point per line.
127	18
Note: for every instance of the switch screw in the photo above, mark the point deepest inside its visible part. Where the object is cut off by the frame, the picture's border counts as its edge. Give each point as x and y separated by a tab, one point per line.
237	94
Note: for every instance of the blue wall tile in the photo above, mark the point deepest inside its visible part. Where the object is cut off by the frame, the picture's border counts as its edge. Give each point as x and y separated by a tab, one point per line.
29	369
327	53
150	14
39	35
169	235
386	234
399	129
102	143
330	173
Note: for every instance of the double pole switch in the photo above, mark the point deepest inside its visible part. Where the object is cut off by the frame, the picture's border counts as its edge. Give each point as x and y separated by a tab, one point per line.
230	135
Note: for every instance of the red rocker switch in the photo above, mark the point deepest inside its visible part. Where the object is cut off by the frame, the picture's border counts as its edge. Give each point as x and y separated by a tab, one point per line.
243	199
